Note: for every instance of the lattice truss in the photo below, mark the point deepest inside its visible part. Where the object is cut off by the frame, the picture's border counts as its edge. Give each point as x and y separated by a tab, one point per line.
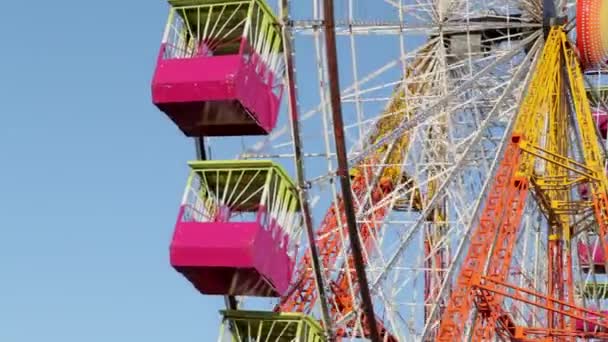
430	90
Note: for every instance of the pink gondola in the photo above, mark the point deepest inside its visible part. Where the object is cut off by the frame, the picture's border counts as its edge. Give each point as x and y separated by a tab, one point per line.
591	256
601	119
581	325
238	229
220	68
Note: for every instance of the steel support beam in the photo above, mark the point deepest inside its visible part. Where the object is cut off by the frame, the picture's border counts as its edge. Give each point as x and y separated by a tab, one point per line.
292	97
201	154
351	222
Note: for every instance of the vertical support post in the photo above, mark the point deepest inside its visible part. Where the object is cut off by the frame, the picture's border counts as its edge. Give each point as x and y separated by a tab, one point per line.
336	108
299	161
245	36
200	148
264	201
188	187
168	26
549	11
553	269
199	144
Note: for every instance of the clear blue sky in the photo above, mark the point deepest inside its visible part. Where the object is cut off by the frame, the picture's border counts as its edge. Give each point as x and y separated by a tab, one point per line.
91	176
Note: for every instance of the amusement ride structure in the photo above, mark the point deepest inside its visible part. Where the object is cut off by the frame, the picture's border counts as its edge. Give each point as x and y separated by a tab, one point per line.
455	190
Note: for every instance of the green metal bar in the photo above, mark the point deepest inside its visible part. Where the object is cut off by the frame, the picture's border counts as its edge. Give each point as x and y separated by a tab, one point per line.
251	181
279	192
261	36
282	210
205	194
276	48
242	164
255	35
247	26
190	4
187	22
268	44
260	331
207	20
198	25
266	190
226	21
217	21
596	290
222	331
226	186
299	331
274	324
188	186
236	186
168	26
251	195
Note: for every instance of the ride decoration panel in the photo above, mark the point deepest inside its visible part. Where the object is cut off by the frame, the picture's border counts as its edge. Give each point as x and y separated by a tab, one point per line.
592	32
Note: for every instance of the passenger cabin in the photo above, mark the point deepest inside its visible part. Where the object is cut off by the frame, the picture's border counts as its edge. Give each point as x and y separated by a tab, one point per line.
584	190
598	92
601	120
591	255
249	326
238	228
590	324
595	320
220	68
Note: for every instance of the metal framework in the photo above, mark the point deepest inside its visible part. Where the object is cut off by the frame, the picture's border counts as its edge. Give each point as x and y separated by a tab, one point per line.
381	183
381	180
537	160
465	192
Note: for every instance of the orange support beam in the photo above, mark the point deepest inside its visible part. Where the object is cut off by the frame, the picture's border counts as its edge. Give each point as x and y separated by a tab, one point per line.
504	196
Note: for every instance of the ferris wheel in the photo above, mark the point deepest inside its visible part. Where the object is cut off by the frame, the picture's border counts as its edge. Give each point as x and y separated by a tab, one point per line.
461	194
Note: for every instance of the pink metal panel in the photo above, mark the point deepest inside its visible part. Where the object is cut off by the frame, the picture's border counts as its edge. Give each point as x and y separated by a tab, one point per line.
195	79
257	96
601	119
215	95
232	258
583	189
585	252
580	324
